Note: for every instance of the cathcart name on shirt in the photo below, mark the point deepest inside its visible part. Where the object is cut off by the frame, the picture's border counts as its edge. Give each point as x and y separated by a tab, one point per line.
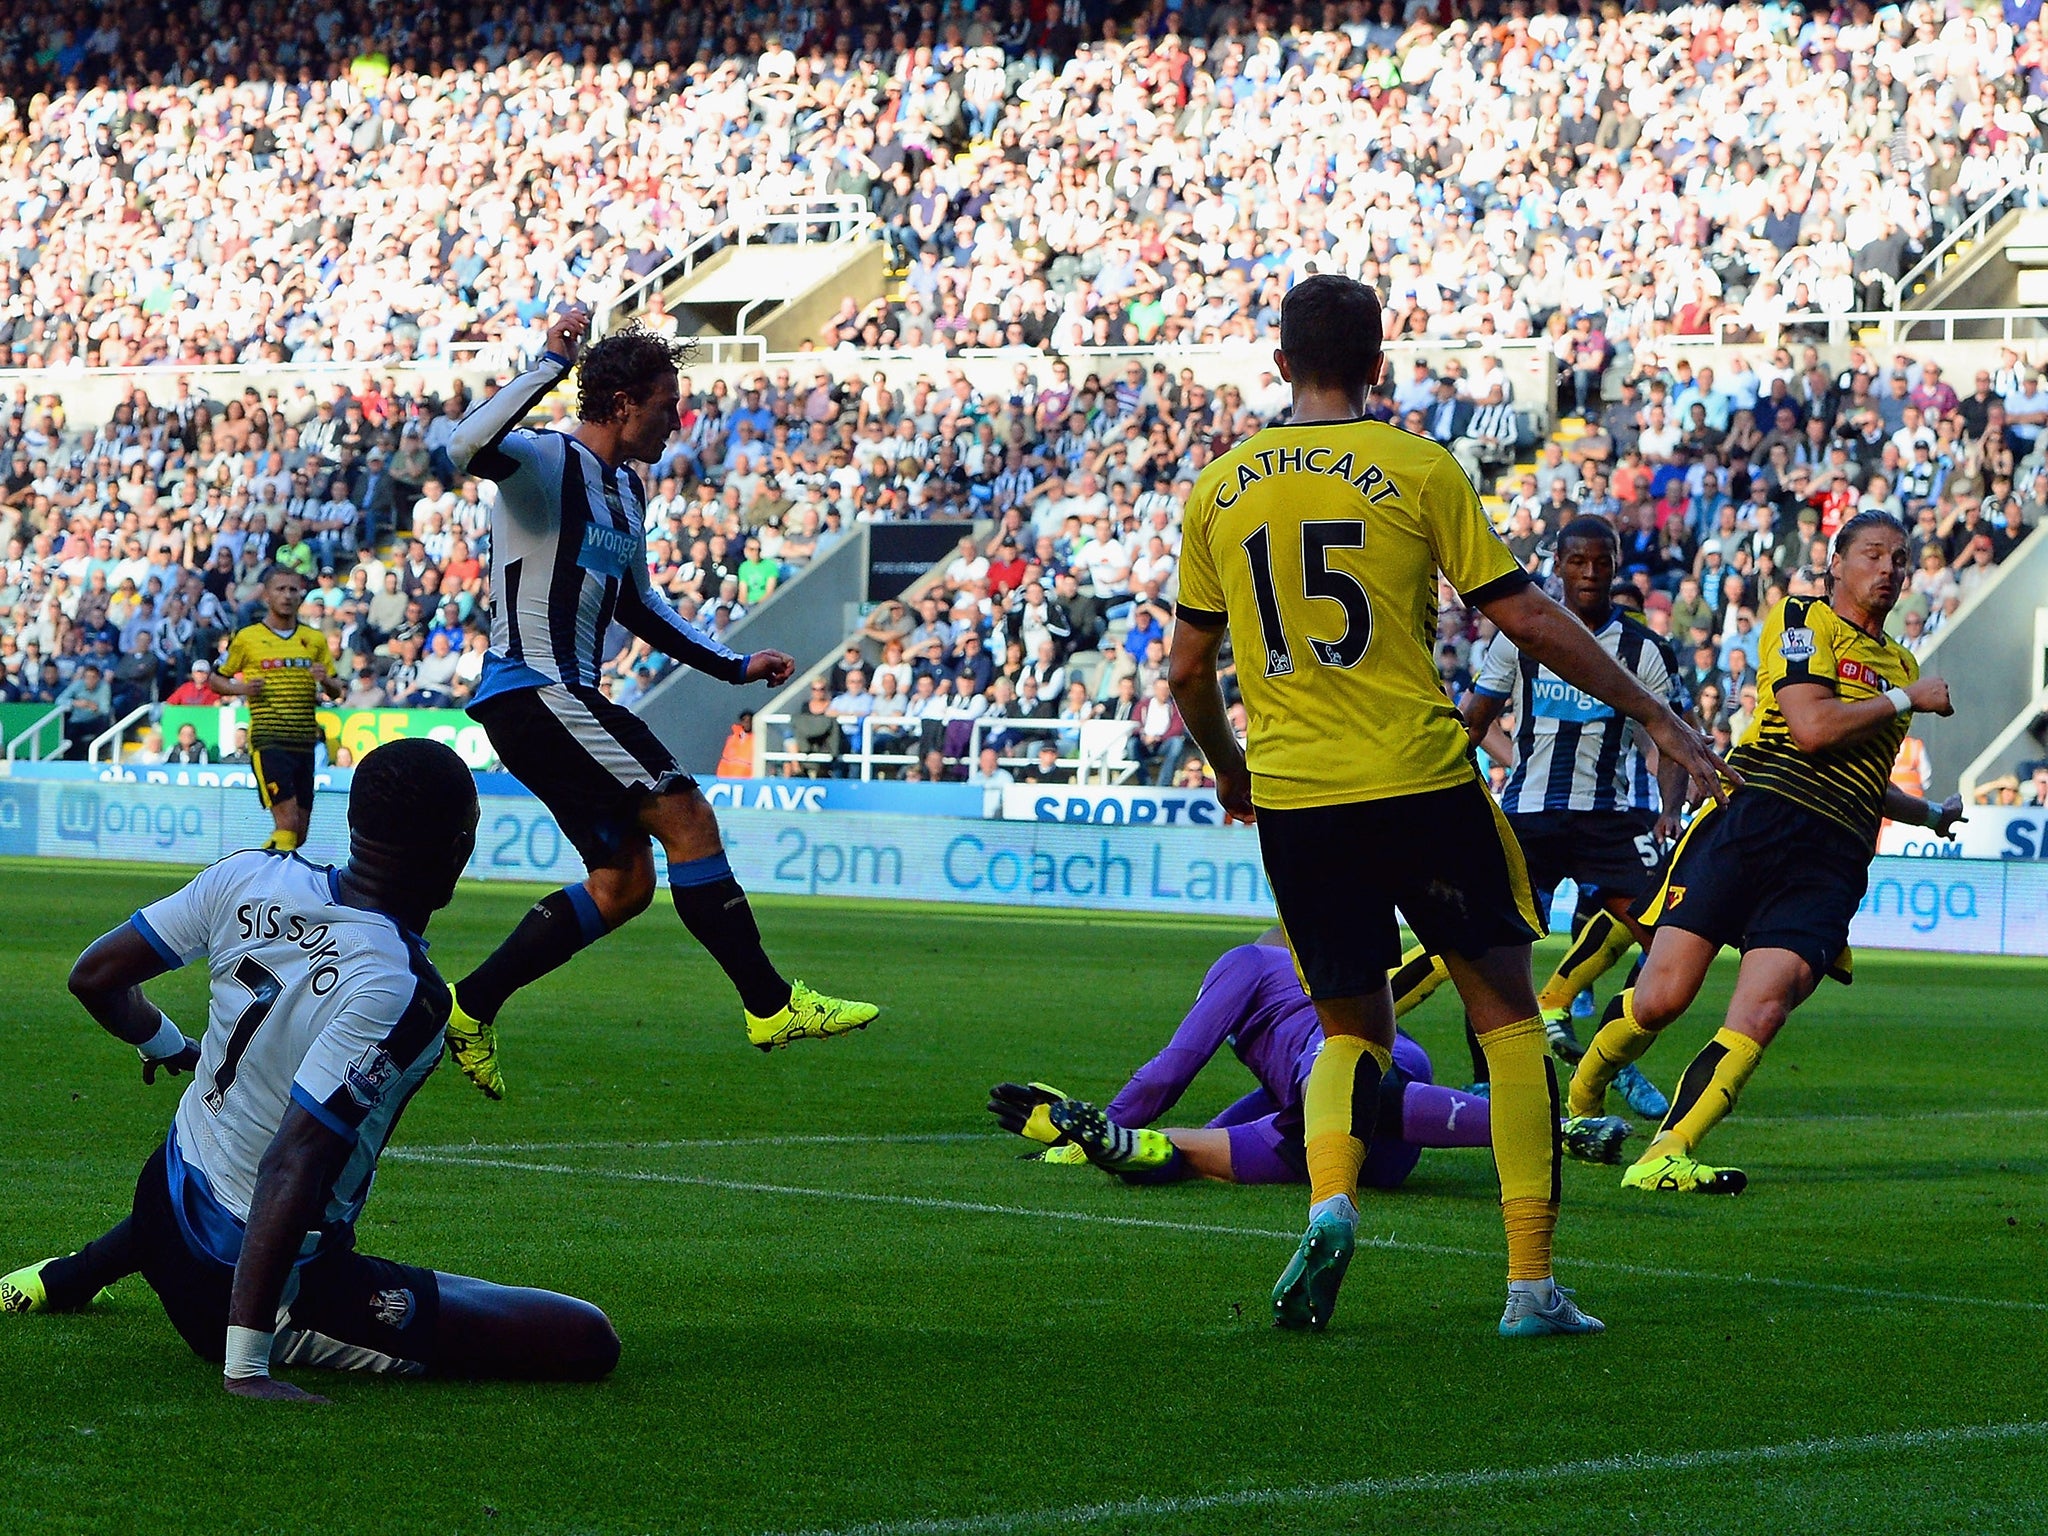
1372	482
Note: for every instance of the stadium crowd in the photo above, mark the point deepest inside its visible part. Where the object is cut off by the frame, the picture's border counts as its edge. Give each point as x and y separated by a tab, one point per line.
369	183
352	181
133	544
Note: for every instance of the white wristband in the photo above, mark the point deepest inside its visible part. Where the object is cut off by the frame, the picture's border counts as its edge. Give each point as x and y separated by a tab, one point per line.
248	1355
1902	701
164	1044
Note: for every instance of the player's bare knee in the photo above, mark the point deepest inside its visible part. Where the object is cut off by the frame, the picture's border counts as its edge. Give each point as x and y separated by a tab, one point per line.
1760	1020
685	824
623	894
1655	1006
590	1345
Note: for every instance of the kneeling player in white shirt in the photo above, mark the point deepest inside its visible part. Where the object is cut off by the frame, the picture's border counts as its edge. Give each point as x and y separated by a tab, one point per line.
326	1017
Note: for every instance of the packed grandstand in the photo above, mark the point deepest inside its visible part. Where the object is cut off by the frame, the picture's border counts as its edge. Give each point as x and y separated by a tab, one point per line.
260	270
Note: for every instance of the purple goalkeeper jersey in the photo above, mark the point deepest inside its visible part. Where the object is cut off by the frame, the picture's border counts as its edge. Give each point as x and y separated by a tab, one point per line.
1252	1001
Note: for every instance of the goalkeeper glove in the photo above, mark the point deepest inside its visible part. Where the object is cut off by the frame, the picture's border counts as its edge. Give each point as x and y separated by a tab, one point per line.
1023	1110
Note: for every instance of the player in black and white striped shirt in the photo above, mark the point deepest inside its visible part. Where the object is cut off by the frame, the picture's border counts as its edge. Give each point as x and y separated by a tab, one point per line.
1581	799
568	558
325	1018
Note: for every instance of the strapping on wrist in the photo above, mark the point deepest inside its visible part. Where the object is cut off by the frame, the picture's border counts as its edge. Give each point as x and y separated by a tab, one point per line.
248	1354
164	1044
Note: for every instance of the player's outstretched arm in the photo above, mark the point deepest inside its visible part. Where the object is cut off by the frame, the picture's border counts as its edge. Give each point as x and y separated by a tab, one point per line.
1543	629
1820	720
477	446
649	616
292	1182
107	979
1191	673
1915	812
1479	711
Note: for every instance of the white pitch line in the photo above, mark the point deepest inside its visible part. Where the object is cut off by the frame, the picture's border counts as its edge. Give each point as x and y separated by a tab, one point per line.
689	1143
2030	1113
1189	1228
938	1138
1476	1481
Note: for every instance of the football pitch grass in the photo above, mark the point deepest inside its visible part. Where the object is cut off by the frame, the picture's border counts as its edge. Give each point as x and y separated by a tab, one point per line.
846	1305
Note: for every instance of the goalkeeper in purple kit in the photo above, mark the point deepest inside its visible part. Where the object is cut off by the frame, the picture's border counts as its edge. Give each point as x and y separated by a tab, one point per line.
1252	1001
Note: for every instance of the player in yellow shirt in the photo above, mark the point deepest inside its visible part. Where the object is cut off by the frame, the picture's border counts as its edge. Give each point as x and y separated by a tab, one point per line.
280	666
1779	871
1318	543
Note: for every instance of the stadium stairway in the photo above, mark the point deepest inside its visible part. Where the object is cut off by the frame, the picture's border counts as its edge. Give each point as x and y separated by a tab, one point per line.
1995	657
810	618
782	293
2006	266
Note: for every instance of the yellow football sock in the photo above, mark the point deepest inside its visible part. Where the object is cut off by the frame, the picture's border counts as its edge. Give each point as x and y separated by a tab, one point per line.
1338	1106
1604	940
1707	1092
282	841
1525	1143
1420	973
1621	1040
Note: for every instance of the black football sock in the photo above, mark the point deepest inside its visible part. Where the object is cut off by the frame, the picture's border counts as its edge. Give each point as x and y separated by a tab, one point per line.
548	937
69	1283
715	910
1481	1072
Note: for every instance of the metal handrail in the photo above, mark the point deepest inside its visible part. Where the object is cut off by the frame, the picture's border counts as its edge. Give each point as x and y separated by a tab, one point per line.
743	225
2034	179
115	732
867	757
1895	326
33	736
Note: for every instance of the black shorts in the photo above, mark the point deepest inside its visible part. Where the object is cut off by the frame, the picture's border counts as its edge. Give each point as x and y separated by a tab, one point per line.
1445	858
344	1310
590	762
1764	873
283	773
1615	851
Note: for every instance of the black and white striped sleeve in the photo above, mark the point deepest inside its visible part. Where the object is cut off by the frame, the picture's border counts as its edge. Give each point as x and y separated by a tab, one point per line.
368	1050
647	614
485	442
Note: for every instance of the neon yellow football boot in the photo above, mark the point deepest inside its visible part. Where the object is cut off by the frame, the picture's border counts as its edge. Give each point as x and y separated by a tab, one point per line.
23	1290
474	1045
1675	1173
809	1015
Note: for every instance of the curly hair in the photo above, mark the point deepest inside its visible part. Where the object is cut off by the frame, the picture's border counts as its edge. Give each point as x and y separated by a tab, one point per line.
414	794
629	362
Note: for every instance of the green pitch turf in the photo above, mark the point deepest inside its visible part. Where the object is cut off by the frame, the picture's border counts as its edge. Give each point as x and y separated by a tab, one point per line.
846	1305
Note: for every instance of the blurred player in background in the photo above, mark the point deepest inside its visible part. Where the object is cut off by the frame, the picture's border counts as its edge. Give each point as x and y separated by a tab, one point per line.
280	666
1252	1001
568	559
1319	543
1780	870
325	1019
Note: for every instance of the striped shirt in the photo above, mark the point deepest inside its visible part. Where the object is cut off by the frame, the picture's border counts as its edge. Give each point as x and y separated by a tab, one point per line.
314	1002
1806	641
1574	752
568	551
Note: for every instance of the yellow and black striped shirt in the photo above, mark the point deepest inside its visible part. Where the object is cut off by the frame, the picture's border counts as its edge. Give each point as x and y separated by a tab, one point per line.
1806	641
283	714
